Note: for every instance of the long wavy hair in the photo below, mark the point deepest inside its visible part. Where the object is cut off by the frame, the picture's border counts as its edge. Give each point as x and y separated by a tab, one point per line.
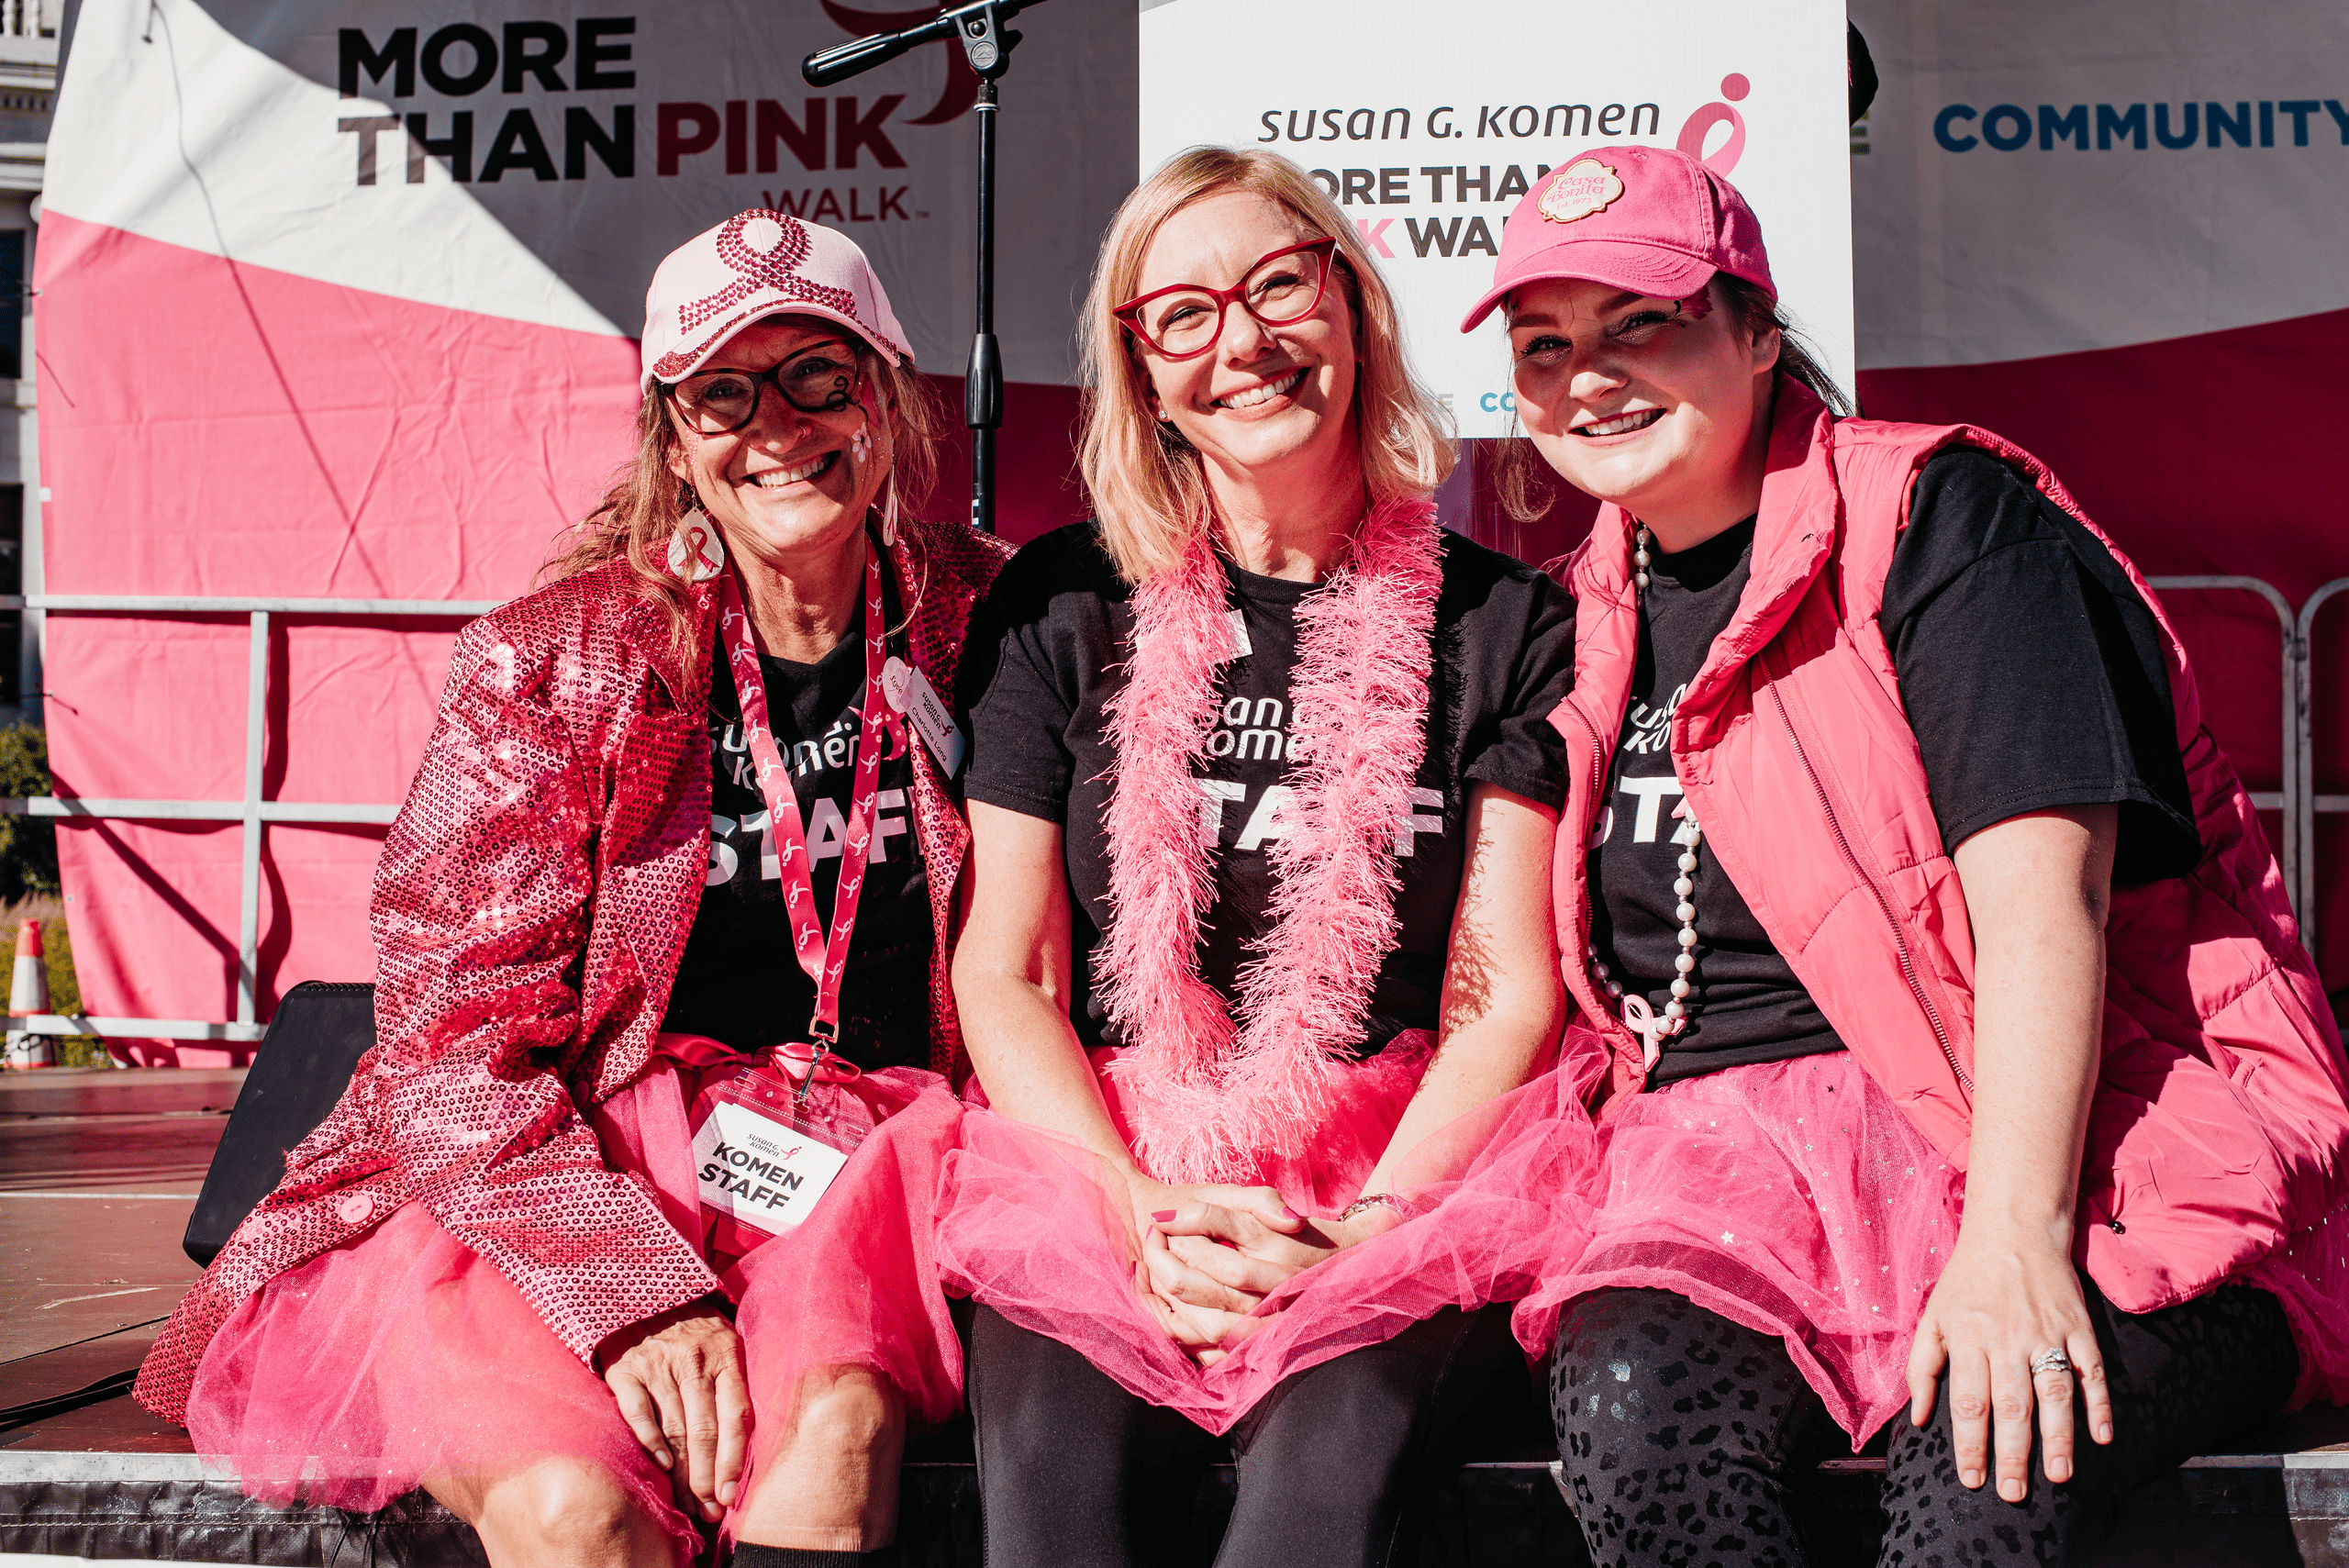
1144	478
1524	480
646	502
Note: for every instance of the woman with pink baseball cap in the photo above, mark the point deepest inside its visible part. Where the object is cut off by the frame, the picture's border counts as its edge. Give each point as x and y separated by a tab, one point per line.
663	933
1959	1051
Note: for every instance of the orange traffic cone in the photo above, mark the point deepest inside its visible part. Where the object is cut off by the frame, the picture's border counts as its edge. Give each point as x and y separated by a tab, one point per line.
28	988
28	995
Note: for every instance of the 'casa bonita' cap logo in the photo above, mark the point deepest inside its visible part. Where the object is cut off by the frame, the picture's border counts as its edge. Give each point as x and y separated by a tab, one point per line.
1578	190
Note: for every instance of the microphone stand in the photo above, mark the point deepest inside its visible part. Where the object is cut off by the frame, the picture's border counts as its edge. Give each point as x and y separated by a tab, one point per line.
987	45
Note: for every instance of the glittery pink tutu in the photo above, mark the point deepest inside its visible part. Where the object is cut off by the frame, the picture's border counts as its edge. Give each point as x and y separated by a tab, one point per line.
1792	1197
398	1359
405	1357
2309	1274
1034	1228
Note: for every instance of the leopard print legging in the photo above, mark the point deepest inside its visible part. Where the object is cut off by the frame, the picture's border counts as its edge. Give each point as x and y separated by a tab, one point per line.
1683	1434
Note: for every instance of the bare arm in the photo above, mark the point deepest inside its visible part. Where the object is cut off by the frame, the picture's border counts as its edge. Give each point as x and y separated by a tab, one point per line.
2037	889
1011	983
1503	1001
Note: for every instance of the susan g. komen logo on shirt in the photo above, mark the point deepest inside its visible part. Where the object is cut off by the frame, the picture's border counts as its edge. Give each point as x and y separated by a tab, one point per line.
1251	729
731	839
1647	741
1647	732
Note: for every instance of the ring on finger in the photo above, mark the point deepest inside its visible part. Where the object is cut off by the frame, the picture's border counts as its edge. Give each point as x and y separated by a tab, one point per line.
2050	1360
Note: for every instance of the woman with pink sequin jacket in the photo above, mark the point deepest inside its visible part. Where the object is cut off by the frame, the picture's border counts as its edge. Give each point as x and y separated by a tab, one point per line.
484	1273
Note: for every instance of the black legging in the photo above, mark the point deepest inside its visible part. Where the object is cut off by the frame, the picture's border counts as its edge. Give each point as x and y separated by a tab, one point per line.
1078	1472
1683	1434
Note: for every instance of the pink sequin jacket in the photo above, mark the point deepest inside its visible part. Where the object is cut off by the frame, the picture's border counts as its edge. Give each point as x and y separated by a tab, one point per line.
530	908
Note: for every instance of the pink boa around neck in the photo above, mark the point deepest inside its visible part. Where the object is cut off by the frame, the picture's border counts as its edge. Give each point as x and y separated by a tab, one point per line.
1212	1086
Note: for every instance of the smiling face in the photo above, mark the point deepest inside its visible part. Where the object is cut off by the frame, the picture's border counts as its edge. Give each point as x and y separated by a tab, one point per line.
1658	405
789	485
1264	398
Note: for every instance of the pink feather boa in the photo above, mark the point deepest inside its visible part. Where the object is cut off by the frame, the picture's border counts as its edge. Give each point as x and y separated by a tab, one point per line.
1213	1087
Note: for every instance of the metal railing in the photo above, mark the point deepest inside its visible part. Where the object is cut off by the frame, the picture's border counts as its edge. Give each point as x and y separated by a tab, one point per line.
253	813
2302	883
30	18
2298	800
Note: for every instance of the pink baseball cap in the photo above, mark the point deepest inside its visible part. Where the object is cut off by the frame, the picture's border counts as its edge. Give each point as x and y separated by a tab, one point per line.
759	264
1649	219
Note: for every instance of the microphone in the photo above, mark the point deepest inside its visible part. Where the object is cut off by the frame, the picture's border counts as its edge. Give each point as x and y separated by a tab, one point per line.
987	44
860	55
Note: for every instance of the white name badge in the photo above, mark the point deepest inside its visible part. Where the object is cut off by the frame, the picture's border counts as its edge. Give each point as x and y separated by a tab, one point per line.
758	1172
911	693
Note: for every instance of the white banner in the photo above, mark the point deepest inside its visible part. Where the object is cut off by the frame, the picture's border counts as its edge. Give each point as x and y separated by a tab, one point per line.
1428	123
2047	178
534	159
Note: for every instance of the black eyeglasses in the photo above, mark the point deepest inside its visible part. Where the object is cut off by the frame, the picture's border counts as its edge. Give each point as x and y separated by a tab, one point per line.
821	380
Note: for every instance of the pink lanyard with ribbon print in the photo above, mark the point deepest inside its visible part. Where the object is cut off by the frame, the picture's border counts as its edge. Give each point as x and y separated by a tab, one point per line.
824	958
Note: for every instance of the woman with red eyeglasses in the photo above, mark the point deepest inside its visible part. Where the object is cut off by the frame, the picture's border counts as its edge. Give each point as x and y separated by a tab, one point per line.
1262	794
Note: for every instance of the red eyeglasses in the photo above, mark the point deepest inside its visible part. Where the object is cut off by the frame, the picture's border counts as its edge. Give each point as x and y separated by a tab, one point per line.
1183	321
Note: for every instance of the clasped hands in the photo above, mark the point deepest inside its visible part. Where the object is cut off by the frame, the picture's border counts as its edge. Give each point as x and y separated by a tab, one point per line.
1211	1254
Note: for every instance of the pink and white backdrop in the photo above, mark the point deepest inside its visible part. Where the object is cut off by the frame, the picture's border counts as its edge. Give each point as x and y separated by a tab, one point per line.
286	349
2114	231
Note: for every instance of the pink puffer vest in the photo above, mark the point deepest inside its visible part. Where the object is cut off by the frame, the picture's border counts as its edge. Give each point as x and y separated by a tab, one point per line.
2219	1128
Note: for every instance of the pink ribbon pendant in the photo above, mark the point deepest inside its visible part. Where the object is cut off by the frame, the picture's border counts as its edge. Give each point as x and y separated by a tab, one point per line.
1652	1028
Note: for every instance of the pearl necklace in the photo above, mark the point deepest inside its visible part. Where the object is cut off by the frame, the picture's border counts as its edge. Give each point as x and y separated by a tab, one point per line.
1654	1028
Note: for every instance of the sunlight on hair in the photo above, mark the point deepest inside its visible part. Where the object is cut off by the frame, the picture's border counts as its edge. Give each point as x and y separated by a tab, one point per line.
1145	481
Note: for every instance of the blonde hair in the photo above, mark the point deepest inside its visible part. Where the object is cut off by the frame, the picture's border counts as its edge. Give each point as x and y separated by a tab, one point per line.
1145	479
646	502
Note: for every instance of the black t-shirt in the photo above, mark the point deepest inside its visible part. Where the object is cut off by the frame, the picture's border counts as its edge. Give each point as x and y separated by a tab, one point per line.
739	981
1045	654
2032	675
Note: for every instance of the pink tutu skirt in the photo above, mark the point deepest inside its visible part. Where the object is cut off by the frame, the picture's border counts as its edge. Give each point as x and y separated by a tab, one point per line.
1791	1197
405	1357
400	1358
1036	1229
1795	1199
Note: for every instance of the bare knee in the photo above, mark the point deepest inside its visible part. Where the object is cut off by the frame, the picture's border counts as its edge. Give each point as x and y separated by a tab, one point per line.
831	1484
853	1414
568	1511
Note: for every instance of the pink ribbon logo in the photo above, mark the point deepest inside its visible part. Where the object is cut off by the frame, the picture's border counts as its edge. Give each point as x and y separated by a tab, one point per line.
1734	87
764	251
